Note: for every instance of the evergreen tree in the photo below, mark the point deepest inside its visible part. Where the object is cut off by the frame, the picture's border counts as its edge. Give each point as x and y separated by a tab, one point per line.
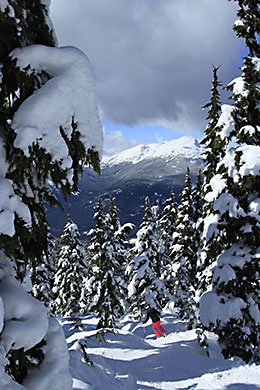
23	24
168	219
144	270
184	254
68	280
121	234
103	286
214	151
113	213
167	228
212	141
248	25
25	171
235	284
198	203
42	275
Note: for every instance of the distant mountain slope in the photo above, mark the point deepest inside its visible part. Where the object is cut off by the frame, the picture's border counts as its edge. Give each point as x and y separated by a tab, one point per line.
185	147
145	170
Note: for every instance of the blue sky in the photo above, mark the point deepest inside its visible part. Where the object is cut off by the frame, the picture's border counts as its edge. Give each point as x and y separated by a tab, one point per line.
149	133
152	61
119	137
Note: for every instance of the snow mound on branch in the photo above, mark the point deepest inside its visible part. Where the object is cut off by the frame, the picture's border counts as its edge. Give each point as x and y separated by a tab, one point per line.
9	205
249	161
4	4
236	256
25	320
214	308
226	120
56	361
23	324
9	202
254	209
70	93
249	165
6	381
217	184
226	202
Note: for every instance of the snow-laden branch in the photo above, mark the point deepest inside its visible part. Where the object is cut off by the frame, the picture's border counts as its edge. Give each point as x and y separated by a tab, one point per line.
21	313
23	324
10	203
70	93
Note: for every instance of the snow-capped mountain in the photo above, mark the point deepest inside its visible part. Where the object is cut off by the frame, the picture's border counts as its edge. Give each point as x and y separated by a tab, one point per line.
145	170
185	147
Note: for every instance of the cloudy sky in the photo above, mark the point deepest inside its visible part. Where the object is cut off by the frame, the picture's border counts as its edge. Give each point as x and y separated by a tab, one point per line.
152	61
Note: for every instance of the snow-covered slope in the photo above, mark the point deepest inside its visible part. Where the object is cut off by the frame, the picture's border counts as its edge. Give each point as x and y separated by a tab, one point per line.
132	359
185	147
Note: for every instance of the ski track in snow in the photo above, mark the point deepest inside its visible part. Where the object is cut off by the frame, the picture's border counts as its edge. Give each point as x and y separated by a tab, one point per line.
132	359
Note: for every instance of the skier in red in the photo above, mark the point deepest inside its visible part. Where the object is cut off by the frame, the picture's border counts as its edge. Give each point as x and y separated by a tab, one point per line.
152	313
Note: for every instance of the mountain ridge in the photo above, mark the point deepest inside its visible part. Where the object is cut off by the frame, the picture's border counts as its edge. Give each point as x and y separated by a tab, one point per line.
152	170
186	146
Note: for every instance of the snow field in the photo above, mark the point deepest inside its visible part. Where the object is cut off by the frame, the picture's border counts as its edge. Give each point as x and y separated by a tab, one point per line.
128	360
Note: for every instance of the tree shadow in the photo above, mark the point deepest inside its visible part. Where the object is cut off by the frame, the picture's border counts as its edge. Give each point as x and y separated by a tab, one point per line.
242	386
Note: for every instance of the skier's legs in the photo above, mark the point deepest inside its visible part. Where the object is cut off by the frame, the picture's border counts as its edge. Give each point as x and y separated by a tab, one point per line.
155	329
160	327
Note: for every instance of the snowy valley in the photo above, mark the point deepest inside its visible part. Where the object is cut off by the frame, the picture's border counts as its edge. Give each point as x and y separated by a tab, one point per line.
152	170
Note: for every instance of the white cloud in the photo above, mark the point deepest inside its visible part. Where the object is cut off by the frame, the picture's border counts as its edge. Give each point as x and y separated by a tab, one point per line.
152	59
115	142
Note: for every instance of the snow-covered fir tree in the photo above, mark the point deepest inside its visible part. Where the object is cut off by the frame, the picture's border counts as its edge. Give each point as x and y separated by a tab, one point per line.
104	284
70	274
167	228
121	231
198	202
212	141
19	28
42	275
120	243
113	212
36	145
186	242
214	150
144	269
231	308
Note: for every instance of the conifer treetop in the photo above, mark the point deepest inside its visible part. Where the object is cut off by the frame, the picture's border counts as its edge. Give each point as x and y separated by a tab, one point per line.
248	25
